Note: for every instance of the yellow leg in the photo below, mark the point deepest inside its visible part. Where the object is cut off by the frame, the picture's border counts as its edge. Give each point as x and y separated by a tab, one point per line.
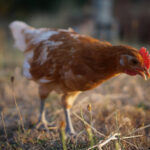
67	101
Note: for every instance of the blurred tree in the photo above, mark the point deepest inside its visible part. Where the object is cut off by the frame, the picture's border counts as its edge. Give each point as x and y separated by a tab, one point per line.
14	7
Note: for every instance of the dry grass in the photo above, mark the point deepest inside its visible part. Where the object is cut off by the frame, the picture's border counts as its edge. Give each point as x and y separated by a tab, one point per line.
120	106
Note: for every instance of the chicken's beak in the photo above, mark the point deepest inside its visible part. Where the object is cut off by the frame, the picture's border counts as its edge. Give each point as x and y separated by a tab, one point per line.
144	73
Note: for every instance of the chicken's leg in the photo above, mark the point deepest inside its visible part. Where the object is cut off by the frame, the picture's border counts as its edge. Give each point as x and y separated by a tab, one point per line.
69	126
43	92
67	101
42	119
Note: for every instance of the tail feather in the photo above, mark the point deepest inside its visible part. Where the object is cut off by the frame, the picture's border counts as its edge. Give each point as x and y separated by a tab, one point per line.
17	28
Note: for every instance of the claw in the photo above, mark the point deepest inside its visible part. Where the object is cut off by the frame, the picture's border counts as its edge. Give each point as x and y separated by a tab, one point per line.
45	125
70	133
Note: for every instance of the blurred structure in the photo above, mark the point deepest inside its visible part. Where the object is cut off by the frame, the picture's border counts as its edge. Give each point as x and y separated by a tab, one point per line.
104	19
133	17
111	20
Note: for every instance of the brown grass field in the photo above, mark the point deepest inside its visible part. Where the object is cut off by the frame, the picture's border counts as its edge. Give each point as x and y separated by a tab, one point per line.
119	118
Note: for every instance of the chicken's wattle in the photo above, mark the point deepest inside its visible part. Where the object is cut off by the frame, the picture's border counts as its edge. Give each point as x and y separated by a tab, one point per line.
131	73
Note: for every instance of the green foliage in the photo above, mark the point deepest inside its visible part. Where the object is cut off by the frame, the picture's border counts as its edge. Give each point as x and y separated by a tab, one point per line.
143	106
26	7
90	136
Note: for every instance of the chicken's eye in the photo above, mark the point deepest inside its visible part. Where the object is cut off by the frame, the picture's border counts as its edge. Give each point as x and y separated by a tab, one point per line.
134	62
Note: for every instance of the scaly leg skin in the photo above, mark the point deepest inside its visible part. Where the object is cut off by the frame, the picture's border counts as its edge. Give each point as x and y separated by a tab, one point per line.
42	118
69	126
44	91
67	102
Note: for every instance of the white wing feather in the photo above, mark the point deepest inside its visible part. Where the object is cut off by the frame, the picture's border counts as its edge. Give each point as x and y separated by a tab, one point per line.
16	28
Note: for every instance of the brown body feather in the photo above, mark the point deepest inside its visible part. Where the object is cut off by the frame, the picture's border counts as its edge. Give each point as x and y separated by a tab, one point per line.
80	63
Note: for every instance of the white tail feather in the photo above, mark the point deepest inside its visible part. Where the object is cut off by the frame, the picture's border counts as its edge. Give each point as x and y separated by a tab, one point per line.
16	28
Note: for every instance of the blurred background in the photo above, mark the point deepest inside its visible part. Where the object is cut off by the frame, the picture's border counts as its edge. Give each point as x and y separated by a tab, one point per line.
108	19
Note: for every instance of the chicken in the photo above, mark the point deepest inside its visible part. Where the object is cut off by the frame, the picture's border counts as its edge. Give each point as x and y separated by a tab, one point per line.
70	63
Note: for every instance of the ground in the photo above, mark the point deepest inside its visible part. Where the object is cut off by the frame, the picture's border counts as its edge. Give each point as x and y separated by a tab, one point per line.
119	106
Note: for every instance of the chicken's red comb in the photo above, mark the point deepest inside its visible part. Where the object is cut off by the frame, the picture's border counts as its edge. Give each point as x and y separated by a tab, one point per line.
144	53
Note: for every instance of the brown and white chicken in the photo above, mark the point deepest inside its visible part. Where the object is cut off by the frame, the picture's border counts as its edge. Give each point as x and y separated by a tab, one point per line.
70	63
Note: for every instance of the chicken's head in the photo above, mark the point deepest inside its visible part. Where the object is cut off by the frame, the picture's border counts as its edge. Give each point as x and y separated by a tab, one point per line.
137	63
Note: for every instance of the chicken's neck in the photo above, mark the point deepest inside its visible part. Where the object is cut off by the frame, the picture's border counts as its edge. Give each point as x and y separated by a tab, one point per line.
104	65
106	61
